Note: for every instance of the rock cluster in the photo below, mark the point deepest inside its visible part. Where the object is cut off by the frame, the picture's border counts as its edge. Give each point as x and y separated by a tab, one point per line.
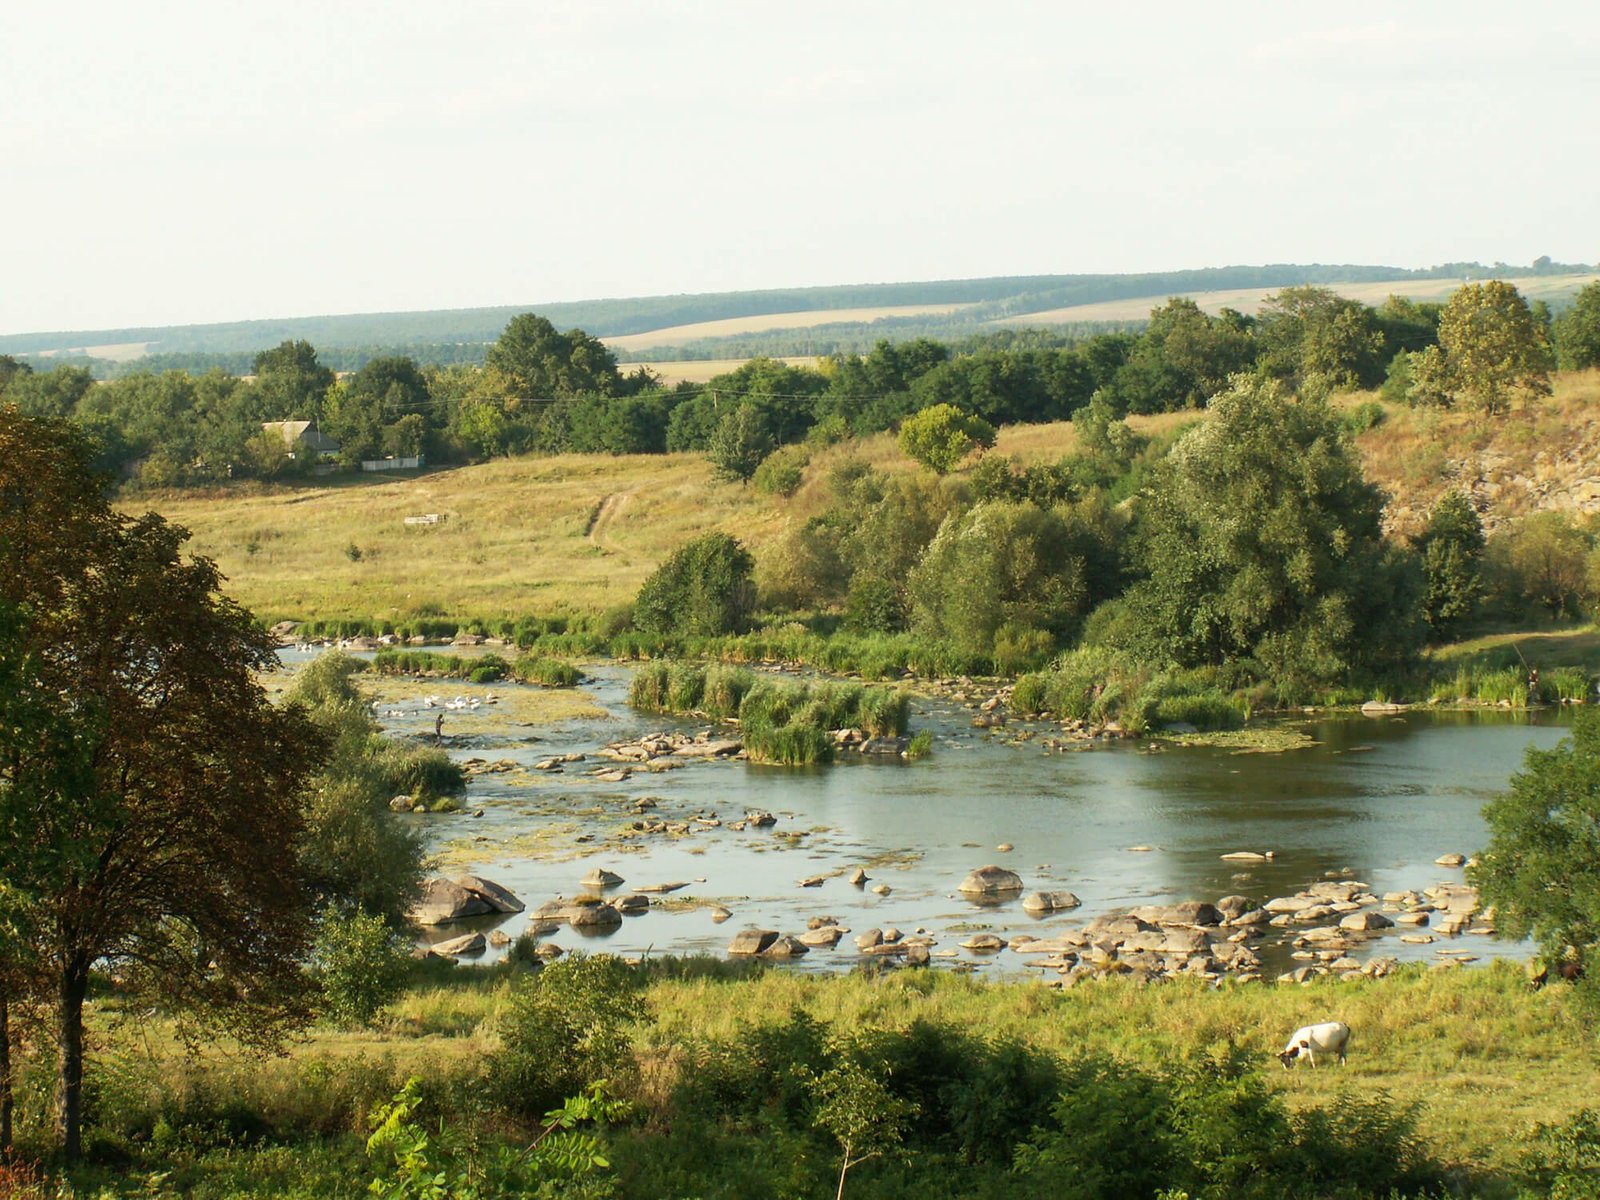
445	900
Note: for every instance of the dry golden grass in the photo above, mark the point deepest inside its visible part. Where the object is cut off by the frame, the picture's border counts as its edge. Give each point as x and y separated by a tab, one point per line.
1248	300
729	326
576	533
579	533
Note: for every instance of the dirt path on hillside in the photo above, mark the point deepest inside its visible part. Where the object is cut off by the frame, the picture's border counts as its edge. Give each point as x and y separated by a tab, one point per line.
605	514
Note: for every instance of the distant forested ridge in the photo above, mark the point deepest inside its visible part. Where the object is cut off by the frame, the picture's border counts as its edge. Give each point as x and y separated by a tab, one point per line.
446	337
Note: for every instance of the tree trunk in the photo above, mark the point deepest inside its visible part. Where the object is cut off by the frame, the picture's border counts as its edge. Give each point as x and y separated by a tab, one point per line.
5	1078
69	1079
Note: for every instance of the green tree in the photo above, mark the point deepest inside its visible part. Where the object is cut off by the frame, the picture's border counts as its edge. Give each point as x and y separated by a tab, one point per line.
1577	331
739	444
1317	341
538	362
702	588
360	963
54	393
1493	346
1540	562
856	1106
172	852
1452	557
361	409
1541	868
1260	538
290	383
999	563
941	436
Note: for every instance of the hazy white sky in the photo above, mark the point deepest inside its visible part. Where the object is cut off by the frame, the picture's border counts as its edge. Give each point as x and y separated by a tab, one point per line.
173	162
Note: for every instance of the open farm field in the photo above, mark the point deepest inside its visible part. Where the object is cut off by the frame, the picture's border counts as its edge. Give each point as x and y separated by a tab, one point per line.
546	535
1249	300
704	369
730	326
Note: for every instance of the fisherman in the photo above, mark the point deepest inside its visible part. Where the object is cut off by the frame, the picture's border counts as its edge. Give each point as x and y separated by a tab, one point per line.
1533	685
438	728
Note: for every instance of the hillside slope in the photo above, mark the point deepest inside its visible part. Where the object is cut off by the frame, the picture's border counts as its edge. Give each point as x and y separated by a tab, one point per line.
579	533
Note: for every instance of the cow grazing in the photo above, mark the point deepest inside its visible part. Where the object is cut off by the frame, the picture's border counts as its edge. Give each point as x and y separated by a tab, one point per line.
1330	1037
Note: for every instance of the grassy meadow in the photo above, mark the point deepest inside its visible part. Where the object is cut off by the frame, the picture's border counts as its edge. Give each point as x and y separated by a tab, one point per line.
1482	1056
578	533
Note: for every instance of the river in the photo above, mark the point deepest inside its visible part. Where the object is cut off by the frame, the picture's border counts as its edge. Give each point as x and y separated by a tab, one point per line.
1374	798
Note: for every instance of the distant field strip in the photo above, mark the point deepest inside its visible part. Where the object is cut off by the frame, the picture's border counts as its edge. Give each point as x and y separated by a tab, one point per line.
703	369
1248	300
678	334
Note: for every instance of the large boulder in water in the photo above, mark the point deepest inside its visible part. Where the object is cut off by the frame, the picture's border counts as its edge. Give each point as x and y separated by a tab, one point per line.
496	897
752	941
991	881
444	900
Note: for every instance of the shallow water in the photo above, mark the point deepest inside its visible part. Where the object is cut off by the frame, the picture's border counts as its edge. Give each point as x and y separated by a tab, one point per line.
1379	798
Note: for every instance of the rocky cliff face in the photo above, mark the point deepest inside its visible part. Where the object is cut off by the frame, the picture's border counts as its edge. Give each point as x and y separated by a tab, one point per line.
1542	456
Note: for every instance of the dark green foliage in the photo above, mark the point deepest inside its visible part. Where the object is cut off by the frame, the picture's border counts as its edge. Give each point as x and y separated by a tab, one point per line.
1260	539
1538	565
875	605
1564	1159
1210	1127
1577	331
739	444
1541	868
702	588
356	853
1316	341
1452	554
567	1027
540	363
1002	563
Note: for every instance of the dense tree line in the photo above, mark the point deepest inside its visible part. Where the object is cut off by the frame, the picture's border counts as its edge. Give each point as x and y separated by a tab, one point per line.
546	391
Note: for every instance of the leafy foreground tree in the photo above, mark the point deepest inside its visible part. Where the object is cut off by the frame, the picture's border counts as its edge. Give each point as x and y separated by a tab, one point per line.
422	1165
151	806
1541	869
1261	539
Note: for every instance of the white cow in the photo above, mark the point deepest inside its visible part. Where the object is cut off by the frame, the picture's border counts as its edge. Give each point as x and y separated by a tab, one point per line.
1330	1037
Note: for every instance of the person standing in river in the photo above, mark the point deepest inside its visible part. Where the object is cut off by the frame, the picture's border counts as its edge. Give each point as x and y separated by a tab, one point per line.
438	728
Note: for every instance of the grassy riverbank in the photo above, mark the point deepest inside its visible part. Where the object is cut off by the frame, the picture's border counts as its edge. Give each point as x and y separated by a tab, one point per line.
1482	1057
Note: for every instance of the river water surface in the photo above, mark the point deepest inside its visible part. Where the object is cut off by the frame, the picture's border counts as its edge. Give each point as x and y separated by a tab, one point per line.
1377	799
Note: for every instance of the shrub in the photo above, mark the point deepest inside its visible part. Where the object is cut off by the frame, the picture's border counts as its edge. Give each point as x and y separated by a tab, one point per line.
543	669
1028	695
360	963
702	588
725	690
793	745
782	471
566	1028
